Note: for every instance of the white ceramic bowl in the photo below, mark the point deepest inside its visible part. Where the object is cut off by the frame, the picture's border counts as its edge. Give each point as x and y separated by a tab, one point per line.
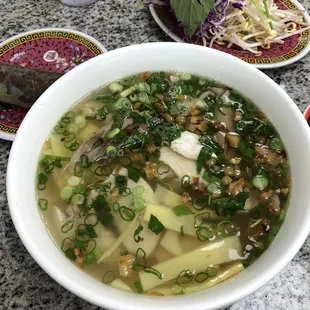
154	57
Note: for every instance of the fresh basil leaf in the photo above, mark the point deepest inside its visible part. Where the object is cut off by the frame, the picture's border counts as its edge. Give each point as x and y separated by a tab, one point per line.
101	206
208	142
133	173
246	150
209	178
203	156
191	13
182	210
155	225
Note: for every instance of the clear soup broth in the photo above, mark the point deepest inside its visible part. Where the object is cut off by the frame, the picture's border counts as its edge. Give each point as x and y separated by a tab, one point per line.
163	183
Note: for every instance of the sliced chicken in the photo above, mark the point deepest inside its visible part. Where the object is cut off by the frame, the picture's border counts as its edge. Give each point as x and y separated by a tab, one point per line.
179	164
187	145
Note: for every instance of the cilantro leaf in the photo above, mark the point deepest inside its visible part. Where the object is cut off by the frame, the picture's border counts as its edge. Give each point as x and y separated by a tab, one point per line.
155	225
133	173
101	207
182	210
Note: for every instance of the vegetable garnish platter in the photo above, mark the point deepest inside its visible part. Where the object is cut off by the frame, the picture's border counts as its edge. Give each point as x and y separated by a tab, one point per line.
30	62
265	33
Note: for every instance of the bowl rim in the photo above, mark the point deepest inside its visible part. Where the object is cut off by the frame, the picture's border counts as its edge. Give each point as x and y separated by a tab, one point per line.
169	303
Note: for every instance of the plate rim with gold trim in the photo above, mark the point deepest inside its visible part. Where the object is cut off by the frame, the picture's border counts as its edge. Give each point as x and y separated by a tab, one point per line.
11	136
290	61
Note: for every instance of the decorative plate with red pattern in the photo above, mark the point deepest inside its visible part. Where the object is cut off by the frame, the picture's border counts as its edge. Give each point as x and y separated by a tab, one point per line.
278	55
52	49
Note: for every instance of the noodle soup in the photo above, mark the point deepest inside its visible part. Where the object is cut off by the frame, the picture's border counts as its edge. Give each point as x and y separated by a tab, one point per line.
163	183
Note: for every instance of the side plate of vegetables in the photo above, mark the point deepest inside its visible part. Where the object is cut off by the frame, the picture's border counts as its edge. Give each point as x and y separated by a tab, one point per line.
265	33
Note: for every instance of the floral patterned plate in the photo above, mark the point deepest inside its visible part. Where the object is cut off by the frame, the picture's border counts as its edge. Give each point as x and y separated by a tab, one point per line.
52	49
279	55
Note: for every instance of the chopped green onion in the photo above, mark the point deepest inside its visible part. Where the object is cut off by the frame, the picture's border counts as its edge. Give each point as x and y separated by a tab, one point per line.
103	171
88	242
91	232
108	277
185	76
126	213
182	210
140	254
70	254
185	181
63	246
201	277
200	218
116	206
74	181
125	191
138	203
120	181
78	199
115	87
178	289
135	267
182	230
74	146
43	204
138	287
42	180
72	128
201	202
136	236
66	193
125	161
155	225
111	151
214	188
90	259
67	226
138	190
96	251
78	169
81	233
85	161
276	144
211	271
162	169
155	272
124	253
70	114
184	277
80	244
80	121
204	233
255	223
260	181
112	133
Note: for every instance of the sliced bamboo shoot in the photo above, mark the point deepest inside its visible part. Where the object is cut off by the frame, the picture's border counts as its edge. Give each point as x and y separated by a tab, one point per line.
119	240
121	285
222	275
58	146
211	253
167	197
172	242
167	217
87	132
